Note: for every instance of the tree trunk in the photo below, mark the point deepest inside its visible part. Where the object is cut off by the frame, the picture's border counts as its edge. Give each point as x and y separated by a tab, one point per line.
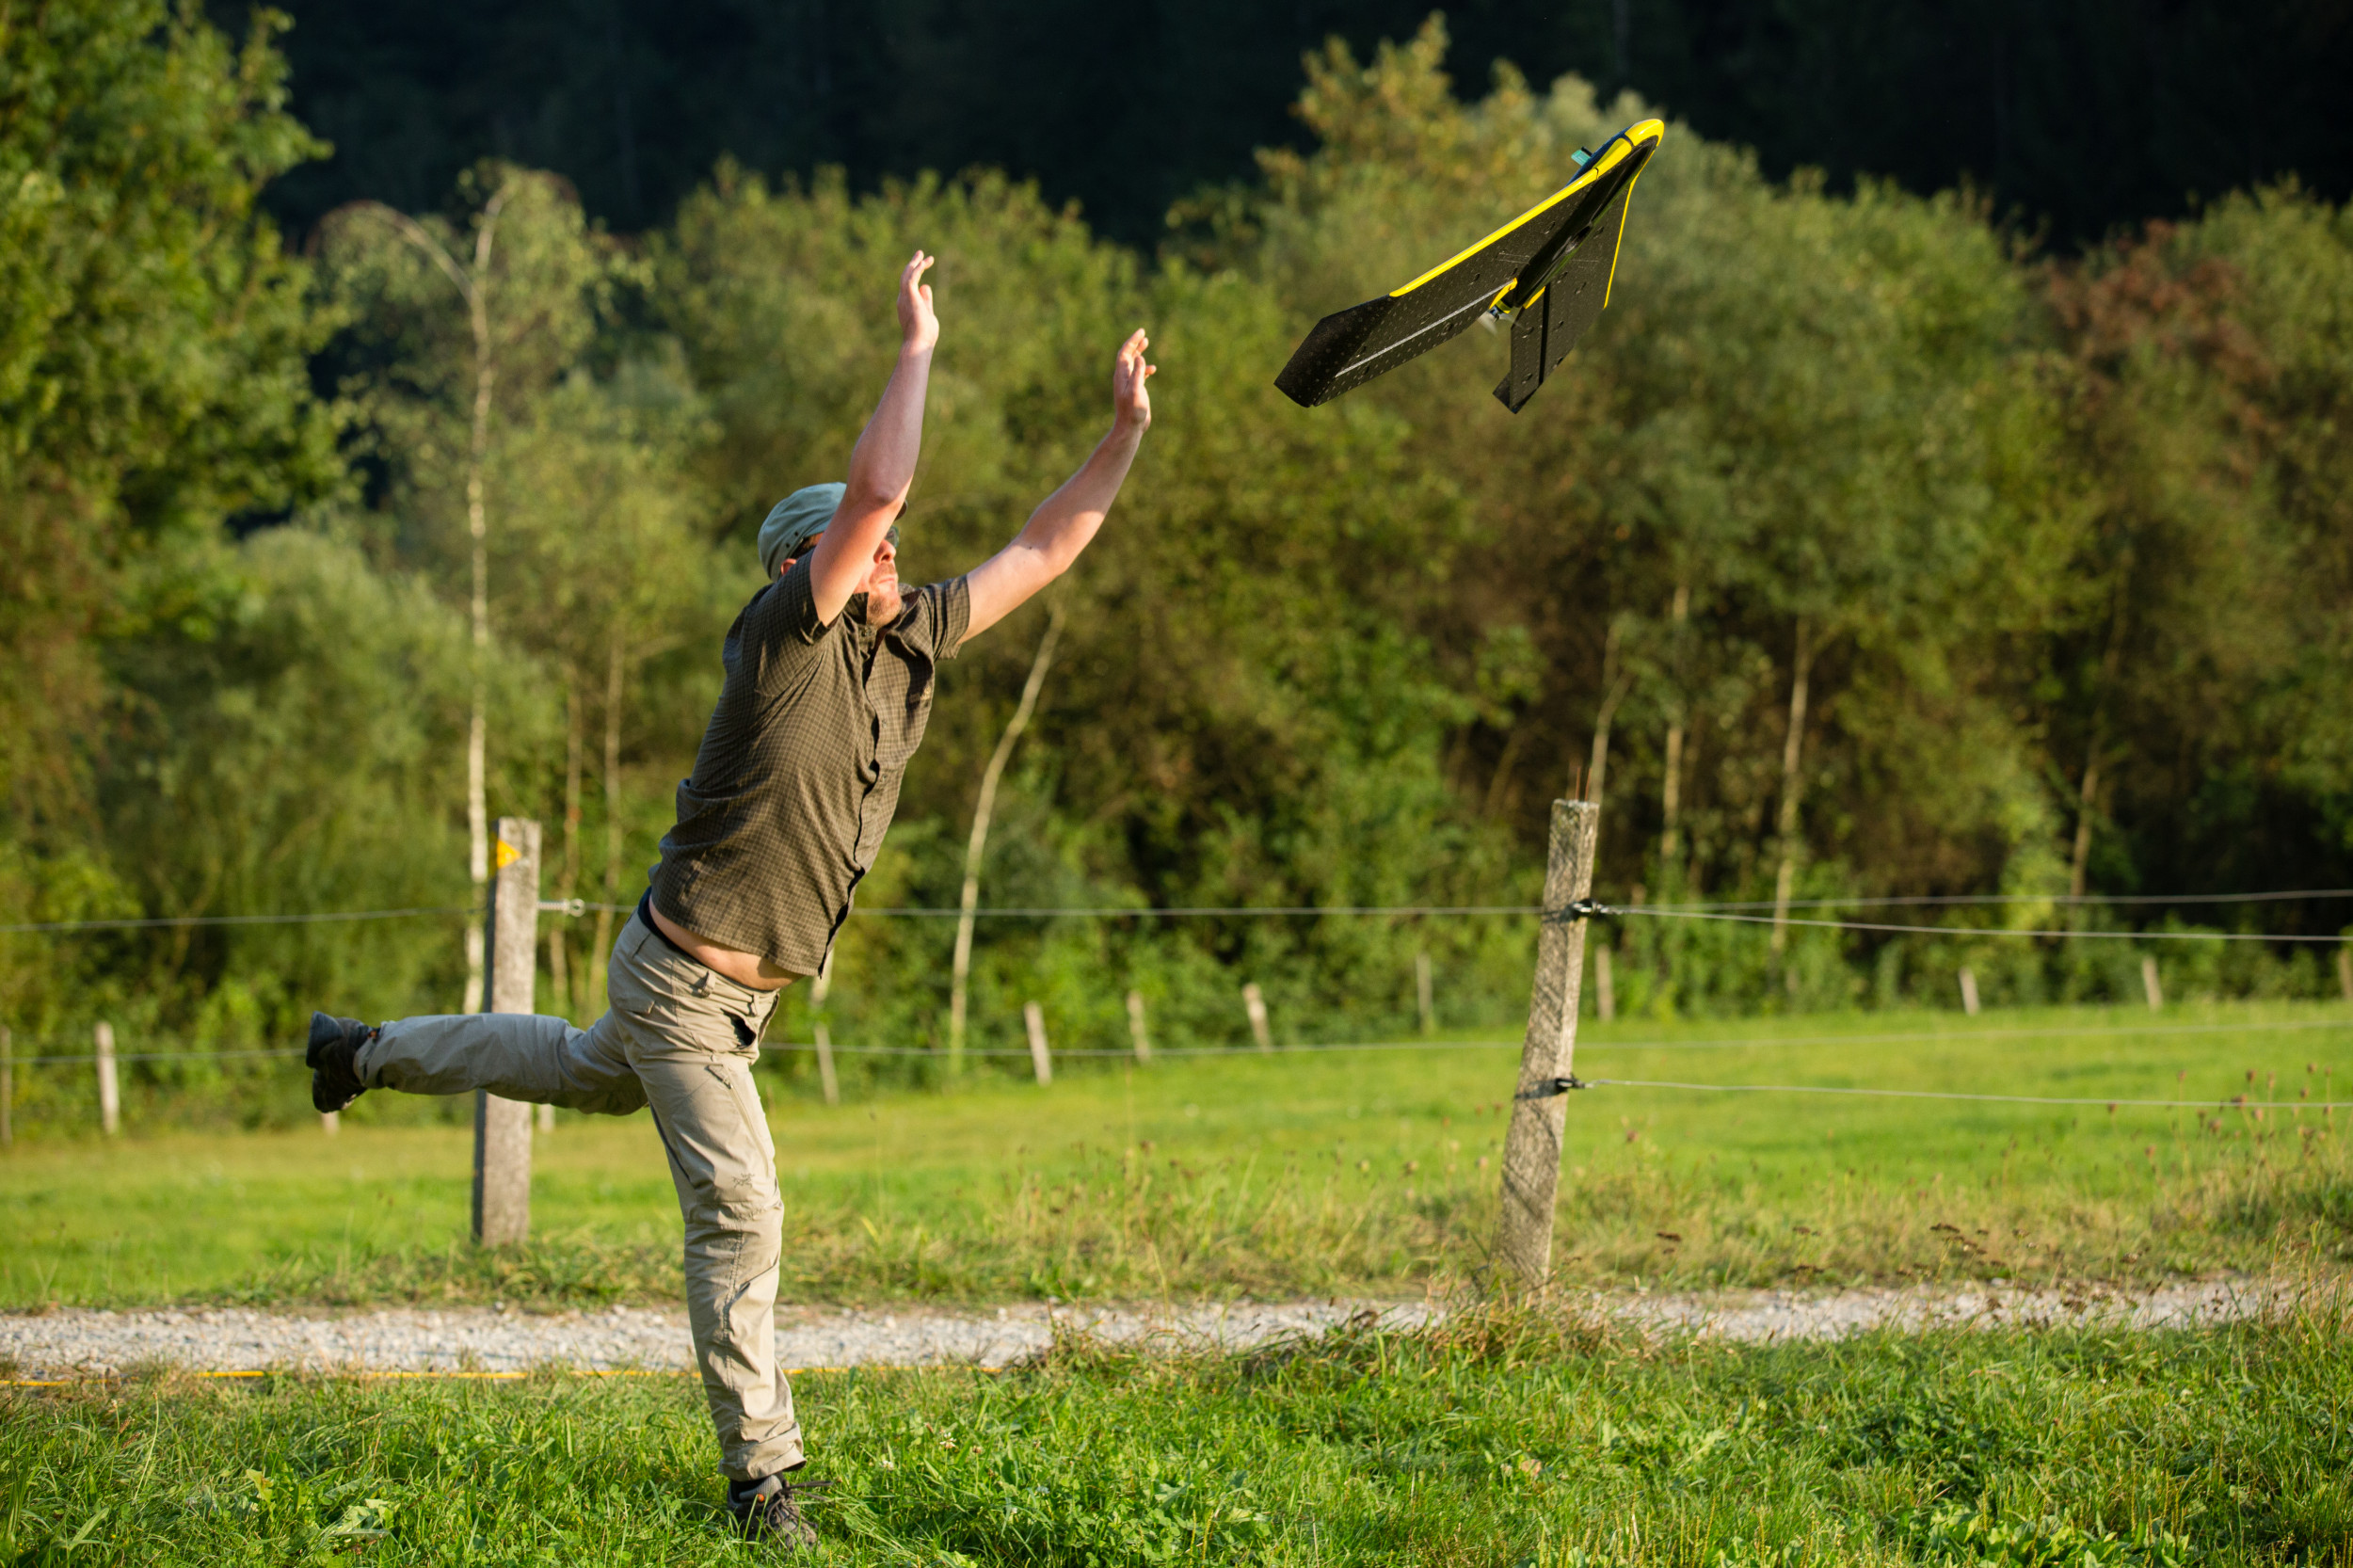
1615	682
2079	868
479	529
567	874
1670	789
2086	800
1502	775
820	1035
975	847
1792	782
473	287
613	668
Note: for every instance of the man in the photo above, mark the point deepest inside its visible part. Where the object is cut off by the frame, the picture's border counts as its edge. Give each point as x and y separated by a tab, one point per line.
830	672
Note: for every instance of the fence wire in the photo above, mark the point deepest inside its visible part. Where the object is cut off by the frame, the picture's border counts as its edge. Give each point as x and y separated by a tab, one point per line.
1657	912
1728	909
87	1057
1928	1037
182	922
2237	1104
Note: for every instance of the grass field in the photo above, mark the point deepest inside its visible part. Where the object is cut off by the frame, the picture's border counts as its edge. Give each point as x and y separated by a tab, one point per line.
1516	1438
1301	1173
1502	1438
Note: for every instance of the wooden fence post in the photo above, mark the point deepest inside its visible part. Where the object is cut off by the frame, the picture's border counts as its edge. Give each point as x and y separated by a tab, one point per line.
1135	1027
330	1122
1969	990
1254	1004
1531	1145
2149	983
817	991
501	1127
7	1086
2345	972
1422	1000
109	1094
1040	1058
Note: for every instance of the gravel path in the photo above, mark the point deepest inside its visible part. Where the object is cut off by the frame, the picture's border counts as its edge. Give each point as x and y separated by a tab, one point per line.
74	1342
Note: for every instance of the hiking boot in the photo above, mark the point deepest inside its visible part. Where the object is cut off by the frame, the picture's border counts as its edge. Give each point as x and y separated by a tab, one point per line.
771	1508
334	1076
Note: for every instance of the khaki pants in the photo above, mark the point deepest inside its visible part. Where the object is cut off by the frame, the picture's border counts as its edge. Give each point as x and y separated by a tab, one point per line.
681	1040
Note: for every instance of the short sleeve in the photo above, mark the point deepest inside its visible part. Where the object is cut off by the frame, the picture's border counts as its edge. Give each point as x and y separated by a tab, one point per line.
785	608
935	620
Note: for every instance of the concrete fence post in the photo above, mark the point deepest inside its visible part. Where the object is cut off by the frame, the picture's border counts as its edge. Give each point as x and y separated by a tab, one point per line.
1604	991
2149	983
1254	1004
109	1092
1041	1058
1532	1144
501	1127
1969	990
2345	972
330	1123
1135	1027
1423	1000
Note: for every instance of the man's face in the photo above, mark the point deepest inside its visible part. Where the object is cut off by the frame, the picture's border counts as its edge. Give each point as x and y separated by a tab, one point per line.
881	586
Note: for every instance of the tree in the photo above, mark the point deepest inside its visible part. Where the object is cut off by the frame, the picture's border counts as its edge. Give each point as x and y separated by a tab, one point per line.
528	281
152	384
2197	709
151	339
607	564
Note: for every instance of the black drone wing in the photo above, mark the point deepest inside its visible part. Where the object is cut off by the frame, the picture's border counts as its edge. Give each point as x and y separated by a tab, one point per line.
1551	265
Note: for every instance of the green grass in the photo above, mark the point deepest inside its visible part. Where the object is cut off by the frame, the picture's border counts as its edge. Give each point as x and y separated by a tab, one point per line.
1299	1174
1504	1437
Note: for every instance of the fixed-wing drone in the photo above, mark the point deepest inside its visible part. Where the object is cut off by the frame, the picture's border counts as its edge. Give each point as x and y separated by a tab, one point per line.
1549	269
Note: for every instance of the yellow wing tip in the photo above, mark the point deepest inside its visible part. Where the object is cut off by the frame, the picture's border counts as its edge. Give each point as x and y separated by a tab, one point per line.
1633	135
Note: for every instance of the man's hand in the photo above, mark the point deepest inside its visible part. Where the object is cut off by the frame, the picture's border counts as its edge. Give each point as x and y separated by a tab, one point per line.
1065	521
1132	402
918	327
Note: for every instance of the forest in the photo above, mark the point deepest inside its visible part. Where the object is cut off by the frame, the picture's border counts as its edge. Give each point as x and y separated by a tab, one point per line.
2076	118
1868	548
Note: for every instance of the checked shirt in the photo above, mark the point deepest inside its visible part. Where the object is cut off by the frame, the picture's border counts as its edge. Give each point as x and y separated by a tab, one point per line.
799	770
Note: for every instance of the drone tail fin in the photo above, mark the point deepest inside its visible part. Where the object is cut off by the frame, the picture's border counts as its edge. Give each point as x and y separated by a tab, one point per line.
1550	324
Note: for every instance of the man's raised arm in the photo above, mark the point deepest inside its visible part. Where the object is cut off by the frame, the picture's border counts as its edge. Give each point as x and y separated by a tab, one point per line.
882	465
1064	522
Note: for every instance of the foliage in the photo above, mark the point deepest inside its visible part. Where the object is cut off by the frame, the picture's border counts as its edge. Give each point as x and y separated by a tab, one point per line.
1241	1175
1803	411
153	340
1958	1534
2071	116
1513	1436
308	680
2051	557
